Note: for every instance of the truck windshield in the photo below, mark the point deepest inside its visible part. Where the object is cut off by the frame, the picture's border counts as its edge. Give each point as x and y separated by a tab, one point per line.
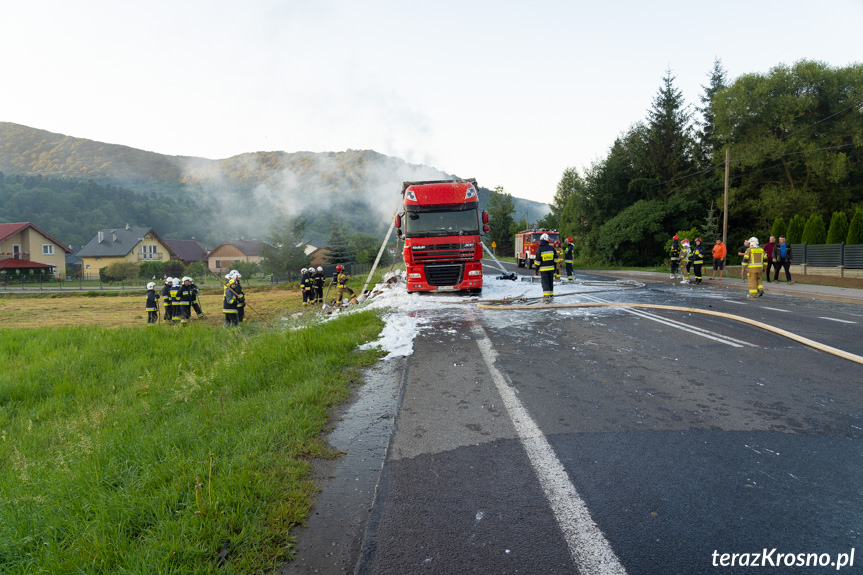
429	224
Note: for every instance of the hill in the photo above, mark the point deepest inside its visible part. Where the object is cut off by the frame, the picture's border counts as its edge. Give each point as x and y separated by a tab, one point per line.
238	196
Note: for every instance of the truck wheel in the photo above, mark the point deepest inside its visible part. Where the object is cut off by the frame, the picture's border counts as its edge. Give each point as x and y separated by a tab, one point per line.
519	262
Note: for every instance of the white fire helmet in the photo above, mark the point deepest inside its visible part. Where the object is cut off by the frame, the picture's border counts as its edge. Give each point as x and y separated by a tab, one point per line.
236	274
187	279
175	282
169	280
543	237
151	285
229	276
304	270
753	242
320	269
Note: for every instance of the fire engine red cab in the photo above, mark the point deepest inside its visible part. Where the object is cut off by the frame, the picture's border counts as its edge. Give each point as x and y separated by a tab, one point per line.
442	235
526	243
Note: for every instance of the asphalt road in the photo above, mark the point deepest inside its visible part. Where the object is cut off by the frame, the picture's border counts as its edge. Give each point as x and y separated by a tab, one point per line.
607	440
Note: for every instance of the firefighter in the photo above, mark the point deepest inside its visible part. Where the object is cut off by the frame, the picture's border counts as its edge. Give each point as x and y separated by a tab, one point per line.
241	296
342	277
309	286
684	259
544	261
754	260
558	260
319	285
152	305
229	304
166	298
174	294
697	258
303	275
182	301
568	257
675	257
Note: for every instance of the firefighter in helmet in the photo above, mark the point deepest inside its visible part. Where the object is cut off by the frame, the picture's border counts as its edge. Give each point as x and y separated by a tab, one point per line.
152	305
304	275
697	257
568	257
318	288
229	304
544	261
241	297
342	278
166	298
674	256
753	258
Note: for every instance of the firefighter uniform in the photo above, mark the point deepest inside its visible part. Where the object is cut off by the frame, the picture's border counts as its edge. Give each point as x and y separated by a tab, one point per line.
183	302
697	258
166	299
152	305
684	259
545	256
558	260
754	260
568	257
196	301
241	297
318	281
675	257
229	305
308	287
176	308
342	284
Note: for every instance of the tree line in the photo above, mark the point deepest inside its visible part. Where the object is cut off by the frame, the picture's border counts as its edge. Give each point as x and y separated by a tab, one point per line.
793	138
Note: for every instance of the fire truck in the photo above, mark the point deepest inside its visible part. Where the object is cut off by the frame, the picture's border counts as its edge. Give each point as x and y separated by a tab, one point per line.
442	225
526	243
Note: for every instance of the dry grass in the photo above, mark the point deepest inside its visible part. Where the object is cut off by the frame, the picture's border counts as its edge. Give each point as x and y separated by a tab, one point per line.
127	310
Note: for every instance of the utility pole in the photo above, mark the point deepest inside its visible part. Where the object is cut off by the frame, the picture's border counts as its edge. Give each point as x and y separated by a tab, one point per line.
725	208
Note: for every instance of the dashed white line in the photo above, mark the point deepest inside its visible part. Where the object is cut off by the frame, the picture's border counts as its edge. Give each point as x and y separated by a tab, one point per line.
836	319
776	309
589	548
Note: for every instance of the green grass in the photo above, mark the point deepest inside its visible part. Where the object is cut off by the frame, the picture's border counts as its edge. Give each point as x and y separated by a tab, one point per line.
150	450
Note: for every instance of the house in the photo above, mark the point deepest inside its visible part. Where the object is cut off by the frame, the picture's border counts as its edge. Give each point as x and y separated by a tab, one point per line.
119	245
187	251
223	256
24	241
317	256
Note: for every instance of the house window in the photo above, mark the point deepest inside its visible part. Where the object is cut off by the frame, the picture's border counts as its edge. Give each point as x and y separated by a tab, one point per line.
218	264
47	249
16	251
148	252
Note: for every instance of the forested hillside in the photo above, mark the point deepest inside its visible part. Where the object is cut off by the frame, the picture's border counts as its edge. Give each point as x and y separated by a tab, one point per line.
75	187
794	137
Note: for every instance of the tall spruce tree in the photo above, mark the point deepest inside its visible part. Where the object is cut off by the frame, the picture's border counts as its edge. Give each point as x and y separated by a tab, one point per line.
669	134
338	246
855	229
778	228
815	232
795	230
708	143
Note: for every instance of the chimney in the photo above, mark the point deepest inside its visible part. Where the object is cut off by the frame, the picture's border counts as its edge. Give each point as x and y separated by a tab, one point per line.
114	235
127	226
101	236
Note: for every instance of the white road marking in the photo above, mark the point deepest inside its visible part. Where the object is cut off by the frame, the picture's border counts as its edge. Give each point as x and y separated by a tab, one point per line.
680	325
836	319
589	548
776	309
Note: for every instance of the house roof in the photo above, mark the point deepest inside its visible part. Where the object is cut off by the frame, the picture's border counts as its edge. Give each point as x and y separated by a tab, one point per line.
7	230
187	250
15	263
117	242
246	247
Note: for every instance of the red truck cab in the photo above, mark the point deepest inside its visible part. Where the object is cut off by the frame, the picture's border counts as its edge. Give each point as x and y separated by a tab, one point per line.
443	249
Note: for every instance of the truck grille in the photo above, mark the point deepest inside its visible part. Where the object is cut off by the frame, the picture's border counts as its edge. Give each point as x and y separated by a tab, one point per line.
444	275
442	253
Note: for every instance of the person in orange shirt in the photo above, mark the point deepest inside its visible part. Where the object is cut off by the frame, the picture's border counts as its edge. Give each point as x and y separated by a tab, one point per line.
719	253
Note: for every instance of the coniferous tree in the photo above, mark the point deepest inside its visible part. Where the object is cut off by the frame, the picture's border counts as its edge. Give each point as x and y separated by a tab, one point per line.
795	230
855	229
838	230
339	247
669	134
778	228
708	144
284	250
815	232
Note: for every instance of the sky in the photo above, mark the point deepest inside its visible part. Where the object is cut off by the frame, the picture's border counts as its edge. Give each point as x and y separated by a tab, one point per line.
510	93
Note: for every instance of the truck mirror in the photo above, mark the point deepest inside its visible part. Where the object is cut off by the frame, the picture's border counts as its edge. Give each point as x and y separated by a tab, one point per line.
485	228
484	217
398	221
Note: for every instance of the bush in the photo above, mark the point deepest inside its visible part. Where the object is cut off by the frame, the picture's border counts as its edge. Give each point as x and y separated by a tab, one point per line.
118	271
814	232
838	231
778	228
855	230
149	270
795	230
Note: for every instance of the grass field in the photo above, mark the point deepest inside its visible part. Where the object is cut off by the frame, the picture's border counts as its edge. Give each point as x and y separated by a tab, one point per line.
136	449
